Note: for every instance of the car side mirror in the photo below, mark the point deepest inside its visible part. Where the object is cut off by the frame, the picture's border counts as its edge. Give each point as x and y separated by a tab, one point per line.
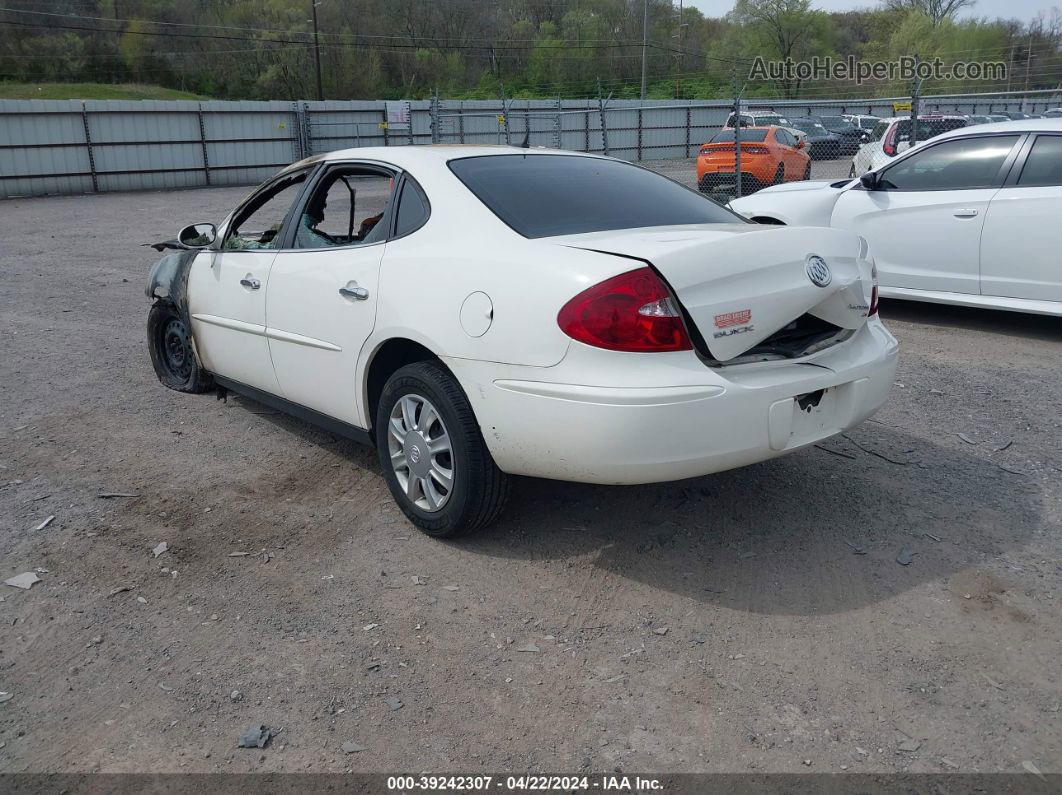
870	180
198	235
801	144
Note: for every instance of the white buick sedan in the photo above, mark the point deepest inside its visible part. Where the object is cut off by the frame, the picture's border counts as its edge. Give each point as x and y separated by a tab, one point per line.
970	217
481	312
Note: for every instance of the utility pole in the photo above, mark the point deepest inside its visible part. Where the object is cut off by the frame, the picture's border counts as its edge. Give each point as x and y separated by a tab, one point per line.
737	136
1010	65
1028	63
317	50
645	39
916	87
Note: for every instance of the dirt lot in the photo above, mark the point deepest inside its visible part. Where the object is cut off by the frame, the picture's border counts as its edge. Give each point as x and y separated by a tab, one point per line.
756	620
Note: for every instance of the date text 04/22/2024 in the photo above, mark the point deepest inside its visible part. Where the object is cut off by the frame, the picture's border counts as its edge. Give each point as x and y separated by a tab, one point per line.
532	783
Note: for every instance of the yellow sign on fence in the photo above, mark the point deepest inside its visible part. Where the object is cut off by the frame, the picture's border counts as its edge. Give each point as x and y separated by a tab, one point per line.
897	107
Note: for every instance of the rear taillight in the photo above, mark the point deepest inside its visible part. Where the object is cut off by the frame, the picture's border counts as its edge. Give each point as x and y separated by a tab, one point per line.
889	147
873	291
752	149
631	312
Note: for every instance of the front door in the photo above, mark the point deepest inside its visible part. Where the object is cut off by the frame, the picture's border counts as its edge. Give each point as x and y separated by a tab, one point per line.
321	303
227	287
924	222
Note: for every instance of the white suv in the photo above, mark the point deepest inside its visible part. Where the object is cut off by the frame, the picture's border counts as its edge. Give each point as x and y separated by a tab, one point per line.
893	136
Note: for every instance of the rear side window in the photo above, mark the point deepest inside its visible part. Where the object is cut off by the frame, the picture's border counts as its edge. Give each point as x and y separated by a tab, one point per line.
412	209
545	195
1044	164
952	165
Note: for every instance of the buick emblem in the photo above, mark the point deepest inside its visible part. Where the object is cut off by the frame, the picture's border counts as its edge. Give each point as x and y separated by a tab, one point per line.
414	454
818	271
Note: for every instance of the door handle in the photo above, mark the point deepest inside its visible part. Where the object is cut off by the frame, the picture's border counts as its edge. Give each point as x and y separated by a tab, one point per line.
965	213
360	293
251	283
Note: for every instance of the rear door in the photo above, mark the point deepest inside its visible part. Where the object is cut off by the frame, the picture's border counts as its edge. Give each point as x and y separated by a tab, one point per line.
924	223
1021	246
321	303
227	287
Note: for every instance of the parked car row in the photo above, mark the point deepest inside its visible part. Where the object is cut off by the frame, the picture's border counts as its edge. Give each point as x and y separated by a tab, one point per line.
491	316
827	137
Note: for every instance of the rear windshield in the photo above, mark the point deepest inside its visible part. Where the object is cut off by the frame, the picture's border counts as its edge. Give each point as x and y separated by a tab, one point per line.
836	121
868	123
879	130
545	195
747	136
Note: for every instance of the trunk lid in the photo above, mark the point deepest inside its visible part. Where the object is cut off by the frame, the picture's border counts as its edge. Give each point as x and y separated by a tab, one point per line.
743	283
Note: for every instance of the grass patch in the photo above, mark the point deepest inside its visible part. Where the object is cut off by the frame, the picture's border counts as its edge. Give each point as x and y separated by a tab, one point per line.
10	90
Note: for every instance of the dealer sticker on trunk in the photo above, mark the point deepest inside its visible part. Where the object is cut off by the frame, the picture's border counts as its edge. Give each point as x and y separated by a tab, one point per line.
733	318
731	323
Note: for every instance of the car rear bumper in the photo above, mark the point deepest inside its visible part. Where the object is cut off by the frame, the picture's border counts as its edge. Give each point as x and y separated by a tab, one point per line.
666	420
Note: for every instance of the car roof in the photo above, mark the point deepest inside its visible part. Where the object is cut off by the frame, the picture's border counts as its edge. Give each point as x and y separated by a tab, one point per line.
406	156
925	117
1016	126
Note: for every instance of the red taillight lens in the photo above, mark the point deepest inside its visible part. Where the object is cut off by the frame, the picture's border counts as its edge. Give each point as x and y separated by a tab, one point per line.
630	312
889	147
754	150
873	291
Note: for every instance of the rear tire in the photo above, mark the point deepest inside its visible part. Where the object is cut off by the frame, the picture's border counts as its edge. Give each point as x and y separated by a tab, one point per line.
172	353
433	456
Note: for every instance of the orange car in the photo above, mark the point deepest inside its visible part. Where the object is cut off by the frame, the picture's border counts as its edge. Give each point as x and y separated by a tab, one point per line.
769	155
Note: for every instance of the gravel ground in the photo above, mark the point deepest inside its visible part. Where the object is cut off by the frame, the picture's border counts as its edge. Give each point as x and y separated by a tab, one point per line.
756	620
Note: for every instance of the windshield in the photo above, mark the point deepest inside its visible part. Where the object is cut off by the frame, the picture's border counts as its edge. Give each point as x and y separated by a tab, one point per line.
545	195
809	126
836	121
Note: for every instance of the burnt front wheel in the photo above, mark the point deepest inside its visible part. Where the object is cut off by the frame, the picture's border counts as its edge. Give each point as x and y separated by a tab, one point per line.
172	354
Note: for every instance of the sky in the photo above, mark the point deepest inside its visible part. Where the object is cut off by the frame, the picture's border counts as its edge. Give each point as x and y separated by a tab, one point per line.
1020	9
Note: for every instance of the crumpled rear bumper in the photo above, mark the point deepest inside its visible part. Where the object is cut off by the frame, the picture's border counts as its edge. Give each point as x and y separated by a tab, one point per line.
661	420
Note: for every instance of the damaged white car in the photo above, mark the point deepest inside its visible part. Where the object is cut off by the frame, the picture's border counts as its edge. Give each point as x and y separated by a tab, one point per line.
481	312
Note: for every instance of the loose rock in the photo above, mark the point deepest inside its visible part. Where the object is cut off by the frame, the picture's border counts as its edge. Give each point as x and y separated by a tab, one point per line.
25	581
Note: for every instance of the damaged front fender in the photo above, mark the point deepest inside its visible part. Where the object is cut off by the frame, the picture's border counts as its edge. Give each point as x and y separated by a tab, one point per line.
168	278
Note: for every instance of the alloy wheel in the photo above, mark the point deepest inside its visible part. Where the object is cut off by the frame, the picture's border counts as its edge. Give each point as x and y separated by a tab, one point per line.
421	455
